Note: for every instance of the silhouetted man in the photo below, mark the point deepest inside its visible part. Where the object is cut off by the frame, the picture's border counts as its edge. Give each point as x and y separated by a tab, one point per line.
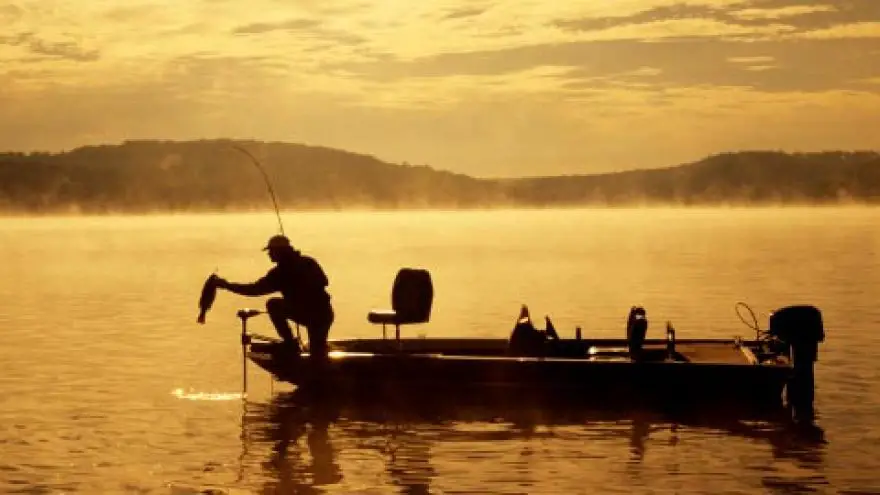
302	282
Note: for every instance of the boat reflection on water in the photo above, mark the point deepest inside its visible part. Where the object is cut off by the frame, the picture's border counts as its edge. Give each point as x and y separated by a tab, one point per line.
305	443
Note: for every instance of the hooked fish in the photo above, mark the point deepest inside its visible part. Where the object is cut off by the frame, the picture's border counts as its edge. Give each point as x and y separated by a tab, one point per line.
209	292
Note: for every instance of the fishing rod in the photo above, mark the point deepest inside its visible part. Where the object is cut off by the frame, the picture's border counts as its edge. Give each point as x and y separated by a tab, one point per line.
268	183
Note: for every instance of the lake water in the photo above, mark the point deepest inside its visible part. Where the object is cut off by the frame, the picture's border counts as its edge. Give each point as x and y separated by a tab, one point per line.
109	385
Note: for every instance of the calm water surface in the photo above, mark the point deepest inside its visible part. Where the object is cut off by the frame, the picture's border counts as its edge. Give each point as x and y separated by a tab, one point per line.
109	385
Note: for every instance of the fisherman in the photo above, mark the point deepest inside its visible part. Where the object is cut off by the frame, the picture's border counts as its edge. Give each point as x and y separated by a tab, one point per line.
302	283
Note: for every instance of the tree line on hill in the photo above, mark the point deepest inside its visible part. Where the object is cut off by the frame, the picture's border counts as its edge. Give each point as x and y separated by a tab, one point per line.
208	175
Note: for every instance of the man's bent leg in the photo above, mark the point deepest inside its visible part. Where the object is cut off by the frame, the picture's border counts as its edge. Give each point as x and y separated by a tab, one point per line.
318	340
318	332
278	313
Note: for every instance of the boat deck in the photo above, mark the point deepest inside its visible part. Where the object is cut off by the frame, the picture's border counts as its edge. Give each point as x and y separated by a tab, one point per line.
708	351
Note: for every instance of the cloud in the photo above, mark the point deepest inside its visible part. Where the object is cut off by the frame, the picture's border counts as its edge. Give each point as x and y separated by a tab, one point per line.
687	28
10	12
64	49
645	71
290	25
312	28
68	50
747	13
464	13
665	12
429	41
790	11
712	62
131	13
750	60
854	30
443	92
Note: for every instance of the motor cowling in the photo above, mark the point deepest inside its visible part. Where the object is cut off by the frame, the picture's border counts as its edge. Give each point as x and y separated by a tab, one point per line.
800	327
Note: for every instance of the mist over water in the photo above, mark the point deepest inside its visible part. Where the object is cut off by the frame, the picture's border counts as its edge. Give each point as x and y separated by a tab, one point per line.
110	386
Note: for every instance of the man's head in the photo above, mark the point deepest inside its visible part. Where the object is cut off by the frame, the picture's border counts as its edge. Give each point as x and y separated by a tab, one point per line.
278	246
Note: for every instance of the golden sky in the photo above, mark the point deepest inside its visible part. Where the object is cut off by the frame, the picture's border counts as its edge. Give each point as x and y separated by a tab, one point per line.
484	87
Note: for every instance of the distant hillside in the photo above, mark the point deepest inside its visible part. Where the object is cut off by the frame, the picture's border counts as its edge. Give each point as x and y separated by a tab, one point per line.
211	175
139	176
743	178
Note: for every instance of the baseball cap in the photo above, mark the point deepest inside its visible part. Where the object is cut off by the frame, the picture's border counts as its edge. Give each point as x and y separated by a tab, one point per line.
277	241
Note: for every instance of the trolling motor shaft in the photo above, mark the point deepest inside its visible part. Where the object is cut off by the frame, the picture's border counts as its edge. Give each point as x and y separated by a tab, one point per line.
244	315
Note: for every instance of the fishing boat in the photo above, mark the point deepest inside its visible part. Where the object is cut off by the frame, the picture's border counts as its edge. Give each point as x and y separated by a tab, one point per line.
774	368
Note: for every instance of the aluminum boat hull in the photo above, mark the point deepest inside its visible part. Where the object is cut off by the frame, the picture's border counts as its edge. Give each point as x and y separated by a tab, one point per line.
591	370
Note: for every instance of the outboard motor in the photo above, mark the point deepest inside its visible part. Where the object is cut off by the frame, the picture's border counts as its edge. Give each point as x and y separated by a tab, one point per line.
801	329
636	329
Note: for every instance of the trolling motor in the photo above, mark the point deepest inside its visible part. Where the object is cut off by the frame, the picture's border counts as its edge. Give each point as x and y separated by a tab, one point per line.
244	315
800	330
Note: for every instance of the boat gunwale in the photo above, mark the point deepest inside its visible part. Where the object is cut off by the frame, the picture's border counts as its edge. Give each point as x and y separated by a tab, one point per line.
393	351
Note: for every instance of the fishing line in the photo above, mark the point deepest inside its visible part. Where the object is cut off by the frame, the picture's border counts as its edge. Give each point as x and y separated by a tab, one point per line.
268	183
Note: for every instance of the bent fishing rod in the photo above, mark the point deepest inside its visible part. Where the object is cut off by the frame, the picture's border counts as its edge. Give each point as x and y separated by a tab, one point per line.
268	183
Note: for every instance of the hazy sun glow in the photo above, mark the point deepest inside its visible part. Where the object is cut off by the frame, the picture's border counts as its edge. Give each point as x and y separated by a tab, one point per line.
481	87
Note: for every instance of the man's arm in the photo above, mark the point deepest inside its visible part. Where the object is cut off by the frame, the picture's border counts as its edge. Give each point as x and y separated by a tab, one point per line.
261	287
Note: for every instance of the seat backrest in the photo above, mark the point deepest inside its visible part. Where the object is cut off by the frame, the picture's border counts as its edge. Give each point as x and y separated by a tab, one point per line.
412	295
